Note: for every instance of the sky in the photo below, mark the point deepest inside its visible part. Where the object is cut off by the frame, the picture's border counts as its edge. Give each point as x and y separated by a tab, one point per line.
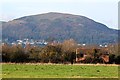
103	11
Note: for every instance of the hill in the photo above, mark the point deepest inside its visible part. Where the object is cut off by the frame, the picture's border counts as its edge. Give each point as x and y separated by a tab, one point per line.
58	26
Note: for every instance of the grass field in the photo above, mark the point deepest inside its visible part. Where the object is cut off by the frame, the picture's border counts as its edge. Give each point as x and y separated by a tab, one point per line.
58	71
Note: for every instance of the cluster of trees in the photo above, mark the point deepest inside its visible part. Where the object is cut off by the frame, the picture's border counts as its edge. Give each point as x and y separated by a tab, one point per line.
53	53
114	56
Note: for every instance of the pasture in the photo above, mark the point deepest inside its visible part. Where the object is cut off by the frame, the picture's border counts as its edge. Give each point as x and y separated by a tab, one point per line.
58	71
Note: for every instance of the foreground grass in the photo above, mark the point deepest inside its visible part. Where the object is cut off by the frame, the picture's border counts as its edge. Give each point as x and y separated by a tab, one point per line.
58	71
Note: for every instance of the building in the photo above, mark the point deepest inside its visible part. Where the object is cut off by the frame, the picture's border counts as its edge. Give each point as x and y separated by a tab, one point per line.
96	55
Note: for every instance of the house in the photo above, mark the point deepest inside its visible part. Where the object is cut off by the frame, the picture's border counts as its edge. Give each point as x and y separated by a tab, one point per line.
100	54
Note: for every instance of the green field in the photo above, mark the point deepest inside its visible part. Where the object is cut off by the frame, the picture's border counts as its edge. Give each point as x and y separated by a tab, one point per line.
58	71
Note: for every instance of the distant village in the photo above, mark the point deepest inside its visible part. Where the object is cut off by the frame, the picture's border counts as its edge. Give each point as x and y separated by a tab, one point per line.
41	43
24	42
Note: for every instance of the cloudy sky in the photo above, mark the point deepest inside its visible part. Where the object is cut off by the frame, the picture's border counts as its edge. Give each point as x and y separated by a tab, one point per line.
104	11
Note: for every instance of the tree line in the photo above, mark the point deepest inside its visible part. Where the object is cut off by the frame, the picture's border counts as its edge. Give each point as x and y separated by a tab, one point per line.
52	53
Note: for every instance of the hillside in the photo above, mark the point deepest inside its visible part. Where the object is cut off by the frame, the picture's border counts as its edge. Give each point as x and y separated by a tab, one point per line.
58	26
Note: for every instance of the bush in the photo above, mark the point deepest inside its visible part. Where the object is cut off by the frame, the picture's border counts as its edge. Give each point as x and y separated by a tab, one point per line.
117	59
112	58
